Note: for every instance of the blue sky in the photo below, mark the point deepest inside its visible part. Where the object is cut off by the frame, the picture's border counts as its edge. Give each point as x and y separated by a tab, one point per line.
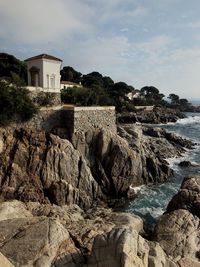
141	42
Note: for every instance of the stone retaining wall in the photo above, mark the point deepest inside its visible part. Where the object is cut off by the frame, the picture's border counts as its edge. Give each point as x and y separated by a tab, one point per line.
87	118
51	98
72	119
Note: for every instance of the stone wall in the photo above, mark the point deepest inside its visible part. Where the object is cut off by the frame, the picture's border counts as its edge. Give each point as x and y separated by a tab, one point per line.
72	119
86	118
48	98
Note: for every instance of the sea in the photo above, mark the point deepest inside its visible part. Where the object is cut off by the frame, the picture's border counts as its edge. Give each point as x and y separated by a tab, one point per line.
151	201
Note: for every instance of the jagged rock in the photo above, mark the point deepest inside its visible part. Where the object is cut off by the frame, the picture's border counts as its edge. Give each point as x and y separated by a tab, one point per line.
125	248
45	168
188	196
119	164
178	230
155	116
187	262
4	262
13	209
34	241
178	234
187	163
82	226
99	166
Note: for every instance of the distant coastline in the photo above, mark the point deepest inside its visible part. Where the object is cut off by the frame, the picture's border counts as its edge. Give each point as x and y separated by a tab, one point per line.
195	102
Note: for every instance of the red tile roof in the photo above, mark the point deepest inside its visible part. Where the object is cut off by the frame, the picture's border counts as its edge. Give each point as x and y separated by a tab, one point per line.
45	56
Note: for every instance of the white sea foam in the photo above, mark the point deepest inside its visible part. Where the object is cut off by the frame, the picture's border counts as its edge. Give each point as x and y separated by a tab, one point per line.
136	189
189	120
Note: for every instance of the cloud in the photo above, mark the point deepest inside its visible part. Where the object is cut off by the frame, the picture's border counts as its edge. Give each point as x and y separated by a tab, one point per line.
139	42
103	54
46	20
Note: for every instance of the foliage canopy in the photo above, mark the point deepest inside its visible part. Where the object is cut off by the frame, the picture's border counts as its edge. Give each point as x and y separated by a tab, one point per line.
15	104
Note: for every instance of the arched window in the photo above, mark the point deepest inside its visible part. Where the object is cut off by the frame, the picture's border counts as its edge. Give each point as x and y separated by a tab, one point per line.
47	80
52	81
35	76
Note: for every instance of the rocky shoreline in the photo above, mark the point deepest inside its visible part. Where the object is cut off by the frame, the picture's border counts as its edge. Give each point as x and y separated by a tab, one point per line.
155	116
55	195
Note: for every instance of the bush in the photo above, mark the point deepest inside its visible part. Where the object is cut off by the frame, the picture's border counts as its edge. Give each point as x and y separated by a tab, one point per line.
83	96
44	99
15	104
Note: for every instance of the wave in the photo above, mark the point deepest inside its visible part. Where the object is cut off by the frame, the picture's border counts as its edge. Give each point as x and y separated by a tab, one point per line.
189	120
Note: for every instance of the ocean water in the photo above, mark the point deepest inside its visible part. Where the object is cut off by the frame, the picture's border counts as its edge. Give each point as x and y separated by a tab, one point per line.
151	201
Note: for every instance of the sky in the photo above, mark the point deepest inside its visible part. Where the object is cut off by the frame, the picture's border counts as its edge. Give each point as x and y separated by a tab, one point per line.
141	42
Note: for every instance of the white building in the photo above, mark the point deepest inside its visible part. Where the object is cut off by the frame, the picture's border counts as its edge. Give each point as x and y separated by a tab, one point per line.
67	84
44	73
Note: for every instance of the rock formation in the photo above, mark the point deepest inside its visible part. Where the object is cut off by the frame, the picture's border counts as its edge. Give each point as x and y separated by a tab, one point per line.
155	116
61	182
94	166
178	229
44	235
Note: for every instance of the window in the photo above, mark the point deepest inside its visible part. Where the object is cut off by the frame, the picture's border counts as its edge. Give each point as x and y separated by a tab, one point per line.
47	80
52	81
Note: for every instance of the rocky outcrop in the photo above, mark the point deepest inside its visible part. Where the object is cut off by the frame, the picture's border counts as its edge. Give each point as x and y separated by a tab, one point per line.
188	196
123	247
178	229
4	261
42	167
34	241
155	116
90	167
44	235
48	235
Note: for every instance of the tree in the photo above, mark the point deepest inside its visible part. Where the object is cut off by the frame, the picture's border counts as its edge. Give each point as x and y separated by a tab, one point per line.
11	67
174	99
84	96
93	79
15	104
152	95
70	74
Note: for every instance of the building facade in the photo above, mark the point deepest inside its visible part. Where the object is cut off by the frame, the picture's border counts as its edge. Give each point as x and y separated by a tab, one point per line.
44	72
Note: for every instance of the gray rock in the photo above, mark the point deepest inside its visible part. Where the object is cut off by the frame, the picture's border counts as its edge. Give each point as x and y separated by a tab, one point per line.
125	248
34	241
188	196
178	234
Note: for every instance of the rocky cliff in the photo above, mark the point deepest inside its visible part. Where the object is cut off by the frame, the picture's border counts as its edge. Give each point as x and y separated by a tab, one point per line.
59	183
92	166
178	229
155	116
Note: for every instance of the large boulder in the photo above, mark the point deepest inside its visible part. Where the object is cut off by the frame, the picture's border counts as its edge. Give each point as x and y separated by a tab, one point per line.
188	196
35	241
178	230
49	235
178	234
126	248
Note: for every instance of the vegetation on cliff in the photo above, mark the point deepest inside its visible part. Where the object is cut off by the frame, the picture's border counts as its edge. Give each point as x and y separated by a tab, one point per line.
15	103
97	89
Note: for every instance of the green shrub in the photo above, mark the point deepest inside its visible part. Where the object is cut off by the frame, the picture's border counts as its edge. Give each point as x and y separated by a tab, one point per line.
44	99
15	104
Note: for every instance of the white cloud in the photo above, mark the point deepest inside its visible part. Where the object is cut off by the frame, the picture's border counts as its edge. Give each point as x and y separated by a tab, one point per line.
42	21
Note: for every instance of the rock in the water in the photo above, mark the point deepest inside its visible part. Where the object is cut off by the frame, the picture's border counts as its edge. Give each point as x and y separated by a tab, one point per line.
188	196
185	163
178	234
178	231
155	116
